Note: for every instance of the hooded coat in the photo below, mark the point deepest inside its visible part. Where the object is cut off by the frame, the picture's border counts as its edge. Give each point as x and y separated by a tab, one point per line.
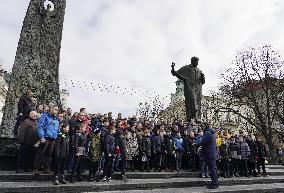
208	143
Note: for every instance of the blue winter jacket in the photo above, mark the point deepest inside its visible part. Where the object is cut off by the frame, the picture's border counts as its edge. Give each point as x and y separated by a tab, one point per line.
48	126
179	144
208	143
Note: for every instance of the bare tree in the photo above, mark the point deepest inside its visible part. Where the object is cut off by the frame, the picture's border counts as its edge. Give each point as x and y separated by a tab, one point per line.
150	107
255	80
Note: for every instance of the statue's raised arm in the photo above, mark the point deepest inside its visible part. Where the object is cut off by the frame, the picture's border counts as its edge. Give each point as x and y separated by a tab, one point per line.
175	73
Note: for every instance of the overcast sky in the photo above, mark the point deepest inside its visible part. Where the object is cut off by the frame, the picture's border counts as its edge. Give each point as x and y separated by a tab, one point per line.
131	43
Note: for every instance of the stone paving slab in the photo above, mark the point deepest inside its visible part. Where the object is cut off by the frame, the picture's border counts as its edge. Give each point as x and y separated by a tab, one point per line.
259	188
133	184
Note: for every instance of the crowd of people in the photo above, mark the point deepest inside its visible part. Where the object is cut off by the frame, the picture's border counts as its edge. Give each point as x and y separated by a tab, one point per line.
67	141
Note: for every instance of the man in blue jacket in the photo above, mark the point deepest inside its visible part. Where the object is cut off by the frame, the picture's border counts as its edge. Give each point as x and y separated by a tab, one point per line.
47	131
209	153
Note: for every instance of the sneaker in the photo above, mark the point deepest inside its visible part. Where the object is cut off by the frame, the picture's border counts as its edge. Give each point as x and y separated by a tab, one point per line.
202	176
212	186
207	176
56	181
62	180
109	179
124	178
104	179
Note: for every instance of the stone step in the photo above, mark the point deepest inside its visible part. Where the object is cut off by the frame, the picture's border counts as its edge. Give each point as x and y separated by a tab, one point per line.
133	184
275	166
6	176
252	188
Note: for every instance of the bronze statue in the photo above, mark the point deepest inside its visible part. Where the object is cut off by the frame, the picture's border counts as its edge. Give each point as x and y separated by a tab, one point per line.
193	79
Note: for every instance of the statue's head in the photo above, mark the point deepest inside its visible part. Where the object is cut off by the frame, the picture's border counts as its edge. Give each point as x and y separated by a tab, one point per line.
194	61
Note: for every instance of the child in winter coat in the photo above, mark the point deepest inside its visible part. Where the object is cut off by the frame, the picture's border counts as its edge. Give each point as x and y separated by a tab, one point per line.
261	156
234	152
157	150
179	150
109	150
95	153
225	156
146	150
188	148
169	149
79	149
244	156
61	151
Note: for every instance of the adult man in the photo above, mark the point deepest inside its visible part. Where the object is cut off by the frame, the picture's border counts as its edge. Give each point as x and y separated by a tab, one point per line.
47	131
193	80
68	114
209	153
27	138
25	106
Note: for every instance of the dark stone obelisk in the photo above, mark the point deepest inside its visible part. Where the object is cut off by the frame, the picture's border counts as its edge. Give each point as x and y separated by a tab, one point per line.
36	64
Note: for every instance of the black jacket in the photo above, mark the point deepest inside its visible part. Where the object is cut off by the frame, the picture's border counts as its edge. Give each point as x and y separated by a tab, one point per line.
146	146
80	140
61	147
261	150
188	145
169	145
25	106
109	144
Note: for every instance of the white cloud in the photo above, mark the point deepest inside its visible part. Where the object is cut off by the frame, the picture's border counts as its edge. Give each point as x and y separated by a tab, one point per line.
132	42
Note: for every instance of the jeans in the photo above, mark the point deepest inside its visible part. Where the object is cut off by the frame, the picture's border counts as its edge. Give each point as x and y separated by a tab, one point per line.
203	168
213	171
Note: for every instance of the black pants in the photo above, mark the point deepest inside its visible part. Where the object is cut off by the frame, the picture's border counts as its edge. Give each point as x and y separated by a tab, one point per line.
243	167
234	166
261	162
76	168
225	166
251	168
169	161
45	151
123	164
157	161
145	163
108	166
59	166
26	157
93	168
20	119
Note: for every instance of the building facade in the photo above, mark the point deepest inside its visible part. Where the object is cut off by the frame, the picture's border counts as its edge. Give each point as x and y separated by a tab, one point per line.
3	91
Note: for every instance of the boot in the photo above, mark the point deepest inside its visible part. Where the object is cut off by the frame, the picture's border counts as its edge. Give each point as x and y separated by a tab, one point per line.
62	179
56	181
124	178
